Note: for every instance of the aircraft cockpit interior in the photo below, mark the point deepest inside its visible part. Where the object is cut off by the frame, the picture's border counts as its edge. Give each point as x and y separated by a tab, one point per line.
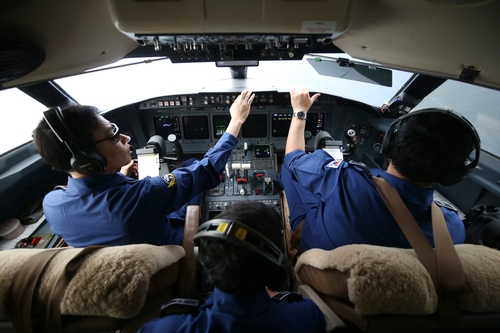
164	75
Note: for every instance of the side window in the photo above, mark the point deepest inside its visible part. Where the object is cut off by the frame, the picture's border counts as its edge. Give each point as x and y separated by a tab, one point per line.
19	115
478	104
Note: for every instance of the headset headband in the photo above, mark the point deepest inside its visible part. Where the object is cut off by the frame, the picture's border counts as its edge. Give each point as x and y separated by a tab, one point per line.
242	236
55	119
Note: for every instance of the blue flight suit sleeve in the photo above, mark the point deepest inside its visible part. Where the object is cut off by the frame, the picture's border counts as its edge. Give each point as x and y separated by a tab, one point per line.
185	183
311	171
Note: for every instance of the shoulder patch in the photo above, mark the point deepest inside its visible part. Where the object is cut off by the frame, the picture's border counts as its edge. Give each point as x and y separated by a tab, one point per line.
169	179
446	205
179	305
334	164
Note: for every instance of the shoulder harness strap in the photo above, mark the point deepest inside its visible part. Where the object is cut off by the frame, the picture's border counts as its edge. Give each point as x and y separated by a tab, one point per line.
179	305
361	165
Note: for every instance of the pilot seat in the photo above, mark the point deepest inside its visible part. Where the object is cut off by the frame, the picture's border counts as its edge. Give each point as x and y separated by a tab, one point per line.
94	289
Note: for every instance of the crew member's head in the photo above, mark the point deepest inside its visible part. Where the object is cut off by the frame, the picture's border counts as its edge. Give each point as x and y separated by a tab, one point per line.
434	146
236	268
90	144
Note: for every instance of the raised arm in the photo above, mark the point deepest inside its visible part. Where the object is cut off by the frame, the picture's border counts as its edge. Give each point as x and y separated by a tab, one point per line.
301	101
239	111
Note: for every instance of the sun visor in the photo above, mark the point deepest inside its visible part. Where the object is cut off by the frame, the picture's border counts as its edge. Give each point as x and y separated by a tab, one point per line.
351	70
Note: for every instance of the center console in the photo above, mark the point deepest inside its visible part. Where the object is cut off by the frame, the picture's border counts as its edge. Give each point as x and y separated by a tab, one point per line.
250	174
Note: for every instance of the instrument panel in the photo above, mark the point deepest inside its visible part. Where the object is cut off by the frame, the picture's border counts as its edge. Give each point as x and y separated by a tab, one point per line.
197	127
203	118
199	120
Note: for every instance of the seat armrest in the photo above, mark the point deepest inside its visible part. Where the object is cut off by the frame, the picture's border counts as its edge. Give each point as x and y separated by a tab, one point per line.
333	322
187	275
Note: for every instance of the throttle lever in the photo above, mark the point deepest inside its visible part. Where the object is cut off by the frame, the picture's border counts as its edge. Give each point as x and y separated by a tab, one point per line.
351	137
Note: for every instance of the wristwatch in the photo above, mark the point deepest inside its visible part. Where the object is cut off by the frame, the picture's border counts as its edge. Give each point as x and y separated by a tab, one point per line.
300	115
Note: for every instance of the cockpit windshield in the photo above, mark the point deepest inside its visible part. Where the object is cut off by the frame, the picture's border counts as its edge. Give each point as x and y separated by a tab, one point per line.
145	79
135	79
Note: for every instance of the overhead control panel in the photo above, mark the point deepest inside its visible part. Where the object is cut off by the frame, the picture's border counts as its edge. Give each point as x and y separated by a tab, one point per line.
234	50
190	30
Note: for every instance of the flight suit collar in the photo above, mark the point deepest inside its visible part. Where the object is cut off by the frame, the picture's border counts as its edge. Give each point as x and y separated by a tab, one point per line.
408	191
247	306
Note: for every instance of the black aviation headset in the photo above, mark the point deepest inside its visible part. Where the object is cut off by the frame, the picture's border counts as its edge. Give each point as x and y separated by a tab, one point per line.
251	240
454	176
88	162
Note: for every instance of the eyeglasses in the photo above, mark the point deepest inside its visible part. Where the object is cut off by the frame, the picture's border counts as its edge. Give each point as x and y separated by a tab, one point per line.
115	137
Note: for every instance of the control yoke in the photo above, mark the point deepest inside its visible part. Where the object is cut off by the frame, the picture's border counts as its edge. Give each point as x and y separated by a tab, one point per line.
176	147
324	141
156	145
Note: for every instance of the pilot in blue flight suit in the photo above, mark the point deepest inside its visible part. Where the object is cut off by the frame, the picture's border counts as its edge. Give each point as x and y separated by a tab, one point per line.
105	207
242	253
339	203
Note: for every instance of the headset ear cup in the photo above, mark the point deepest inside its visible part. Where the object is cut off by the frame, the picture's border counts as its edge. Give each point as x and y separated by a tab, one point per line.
385	148
455	176
89	163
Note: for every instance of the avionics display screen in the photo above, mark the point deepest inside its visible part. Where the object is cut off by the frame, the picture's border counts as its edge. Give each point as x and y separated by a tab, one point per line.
262	151
220	124
280	124
195	127
255	126
166	125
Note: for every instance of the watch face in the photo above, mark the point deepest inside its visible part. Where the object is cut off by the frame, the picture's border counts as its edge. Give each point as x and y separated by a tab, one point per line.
301	115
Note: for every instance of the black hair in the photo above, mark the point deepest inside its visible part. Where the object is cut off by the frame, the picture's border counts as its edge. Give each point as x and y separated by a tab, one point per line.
236	270
82	120
427	147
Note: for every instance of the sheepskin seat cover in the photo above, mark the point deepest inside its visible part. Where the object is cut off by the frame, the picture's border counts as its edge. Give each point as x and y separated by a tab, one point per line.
391	280
112	281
